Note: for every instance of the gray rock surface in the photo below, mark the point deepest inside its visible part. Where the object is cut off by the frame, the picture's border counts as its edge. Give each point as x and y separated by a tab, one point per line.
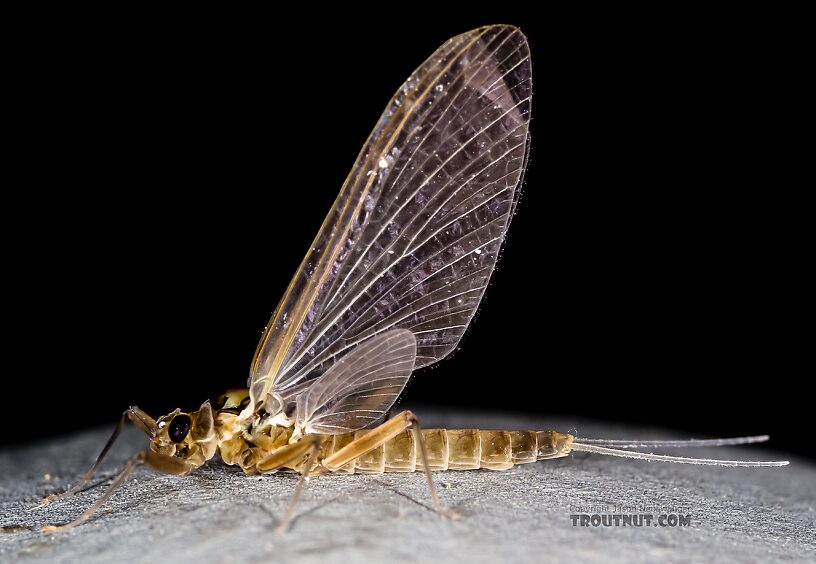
221	515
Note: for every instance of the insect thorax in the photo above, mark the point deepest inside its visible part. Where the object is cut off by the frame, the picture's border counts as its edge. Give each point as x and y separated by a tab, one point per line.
245	439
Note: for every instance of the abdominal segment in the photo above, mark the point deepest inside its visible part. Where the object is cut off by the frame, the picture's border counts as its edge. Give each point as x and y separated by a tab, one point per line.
453	449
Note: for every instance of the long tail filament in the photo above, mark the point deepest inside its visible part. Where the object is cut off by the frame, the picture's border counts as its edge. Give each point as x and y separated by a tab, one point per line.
623	443
594	448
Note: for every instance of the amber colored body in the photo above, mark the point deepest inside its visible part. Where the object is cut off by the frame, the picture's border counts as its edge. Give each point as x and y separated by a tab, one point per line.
453	449
250	445
263	444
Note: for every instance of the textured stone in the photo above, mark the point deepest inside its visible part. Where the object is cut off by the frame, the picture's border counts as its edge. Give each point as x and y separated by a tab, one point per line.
221	515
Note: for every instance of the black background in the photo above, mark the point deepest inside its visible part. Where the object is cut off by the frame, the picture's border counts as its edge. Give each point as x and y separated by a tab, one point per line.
169	174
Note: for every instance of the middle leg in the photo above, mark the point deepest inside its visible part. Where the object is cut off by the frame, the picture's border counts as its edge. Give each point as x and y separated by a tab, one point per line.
288	457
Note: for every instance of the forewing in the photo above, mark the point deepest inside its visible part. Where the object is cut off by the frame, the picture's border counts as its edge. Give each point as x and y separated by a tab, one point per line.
360	387
416	230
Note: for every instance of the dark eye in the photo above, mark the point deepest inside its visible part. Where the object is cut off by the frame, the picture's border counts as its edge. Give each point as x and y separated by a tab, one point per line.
179	427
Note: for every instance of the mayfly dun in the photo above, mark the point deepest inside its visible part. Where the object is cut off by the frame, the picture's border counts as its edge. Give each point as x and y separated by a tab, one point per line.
389	285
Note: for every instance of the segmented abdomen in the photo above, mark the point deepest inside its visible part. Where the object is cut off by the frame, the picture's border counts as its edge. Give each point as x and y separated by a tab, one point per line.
452	449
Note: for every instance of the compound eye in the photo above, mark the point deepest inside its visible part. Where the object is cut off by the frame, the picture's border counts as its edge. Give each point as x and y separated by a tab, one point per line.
179	427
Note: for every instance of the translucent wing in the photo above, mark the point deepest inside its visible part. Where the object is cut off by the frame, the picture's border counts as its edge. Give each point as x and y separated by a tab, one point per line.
360	387
416	230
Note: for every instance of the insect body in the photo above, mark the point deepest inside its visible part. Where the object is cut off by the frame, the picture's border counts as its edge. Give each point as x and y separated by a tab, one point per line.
446	449
389	285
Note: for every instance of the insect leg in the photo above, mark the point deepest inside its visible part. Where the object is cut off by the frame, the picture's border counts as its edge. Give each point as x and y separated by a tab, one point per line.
287	457
162	463
311	460
380	435
134	462
139	418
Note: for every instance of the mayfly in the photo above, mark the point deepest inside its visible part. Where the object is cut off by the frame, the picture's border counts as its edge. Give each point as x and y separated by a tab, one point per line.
389	285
